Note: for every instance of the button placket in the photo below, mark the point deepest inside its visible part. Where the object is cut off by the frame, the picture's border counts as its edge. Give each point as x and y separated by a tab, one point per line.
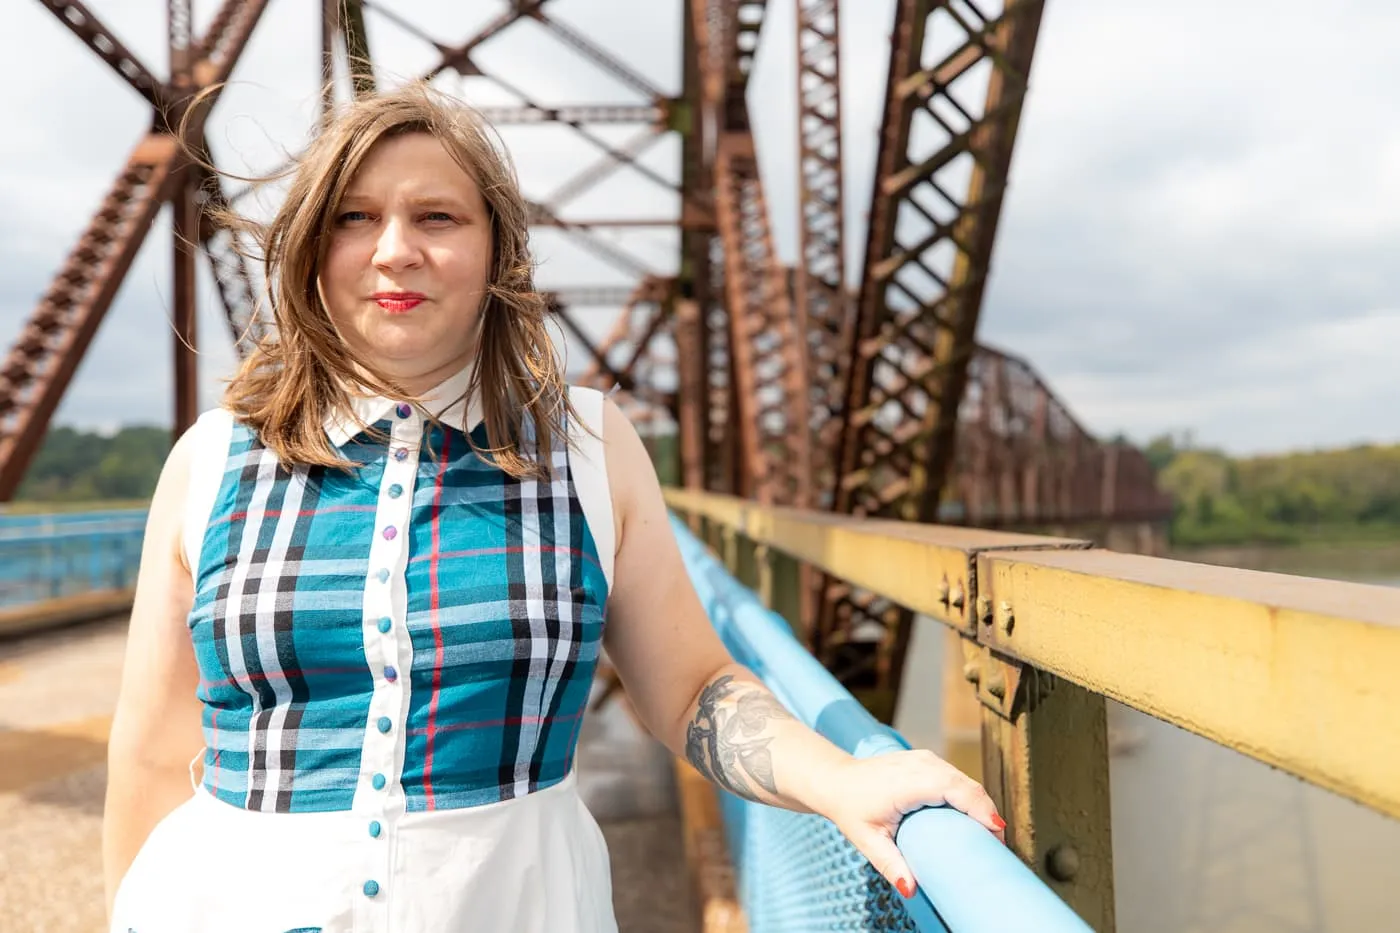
387	647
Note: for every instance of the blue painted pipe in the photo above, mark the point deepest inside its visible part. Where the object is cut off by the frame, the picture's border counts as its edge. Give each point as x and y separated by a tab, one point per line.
976	883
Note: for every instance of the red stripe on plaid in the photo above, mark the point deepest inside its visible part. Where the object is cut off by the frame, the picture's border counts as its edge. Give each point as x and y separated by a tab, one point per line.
497	723
434	591
302	513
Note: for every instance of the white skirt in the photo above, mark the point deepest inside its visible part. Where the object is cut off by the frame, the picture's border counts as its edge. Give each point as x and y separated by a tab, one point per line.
536	864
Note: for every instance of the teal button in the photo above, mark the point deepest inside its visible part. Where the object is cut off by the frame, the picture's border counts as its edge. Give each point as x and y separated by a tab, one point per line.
378	781
383	575
395	491
374	828
371	888
384	724
385	624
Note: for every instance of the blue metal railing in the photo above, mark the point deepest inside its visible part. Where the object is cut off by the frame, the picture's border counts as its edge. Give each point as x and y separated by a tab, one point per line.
52	556
796	872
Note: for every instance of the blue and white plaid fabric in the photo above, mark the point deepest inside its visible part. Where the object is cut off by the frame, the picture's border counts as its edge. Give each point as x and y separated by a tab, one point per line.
504	609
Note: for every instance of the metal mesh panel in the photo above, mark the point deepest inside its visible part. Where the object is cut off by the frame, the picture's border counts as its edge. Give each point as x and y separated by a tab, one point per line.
798	874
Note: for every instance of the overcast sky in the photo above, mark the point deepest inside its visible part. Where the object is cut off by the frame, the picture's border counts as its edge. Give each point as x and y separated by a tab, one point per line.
1204	204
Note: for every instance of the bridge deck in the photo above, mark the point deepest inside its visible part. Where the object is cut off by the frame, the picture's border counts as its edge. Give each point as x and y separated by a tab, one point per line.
57	692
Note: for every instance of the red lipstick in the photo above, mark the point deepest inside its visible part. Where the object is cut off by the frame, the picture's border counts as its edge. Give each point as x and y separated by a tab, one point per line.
398	302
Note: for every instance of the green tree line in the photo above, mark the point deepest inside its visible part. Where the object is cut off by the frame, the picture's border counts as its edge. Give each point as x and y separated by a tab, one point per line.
81	466
1351	493
1340	494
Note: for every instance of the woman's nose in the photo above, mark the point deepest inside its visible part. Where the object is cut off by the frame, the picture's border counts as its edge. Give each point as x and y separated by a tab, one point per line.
395	247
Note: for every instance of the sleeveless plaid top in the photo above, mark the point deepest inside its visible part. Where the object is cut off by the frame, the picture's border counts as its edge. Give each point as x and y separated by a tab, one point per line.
419	633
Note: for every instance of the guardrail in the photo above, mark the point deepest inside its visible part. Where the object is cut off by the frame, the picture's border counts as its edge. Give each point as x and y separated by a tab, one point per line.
65	567
796	871
1294	672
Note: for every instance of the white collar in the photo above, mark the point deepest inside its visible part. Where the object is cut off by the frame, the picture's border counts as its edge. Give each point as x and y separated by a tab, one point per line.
444	401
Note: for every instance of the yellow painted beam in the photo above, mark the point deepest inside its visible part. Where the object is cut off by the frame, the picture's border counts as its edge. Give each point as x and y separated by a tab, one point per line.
1292	671
1296	672
924	567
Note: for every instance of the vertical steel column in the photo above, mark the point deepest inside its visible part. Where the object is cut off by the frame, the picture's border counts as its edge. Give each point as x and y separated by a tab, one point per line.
185	213
768	369
823	305
185	226
917	315
180	23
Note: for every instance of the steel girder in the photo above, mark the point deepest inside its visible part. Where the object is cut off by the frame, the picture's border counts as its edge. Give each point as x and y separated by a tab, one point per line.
767	372
630	356
823	302
52	342
1022	460
928	254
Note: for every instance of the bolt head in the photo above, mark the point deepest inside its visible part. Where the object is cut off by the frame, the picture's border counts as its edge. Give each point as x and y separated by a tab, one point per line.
972	672
984	609
1006	617
1062	862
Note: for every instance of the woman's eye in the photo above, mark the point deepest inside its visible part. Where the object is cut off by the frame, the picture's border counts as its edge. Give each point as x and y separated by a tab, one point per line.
351	217
438	216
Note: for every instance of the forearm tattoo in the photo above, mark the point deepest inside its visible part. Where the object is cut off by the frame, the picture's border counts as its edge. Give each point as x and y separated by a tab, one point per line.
728	739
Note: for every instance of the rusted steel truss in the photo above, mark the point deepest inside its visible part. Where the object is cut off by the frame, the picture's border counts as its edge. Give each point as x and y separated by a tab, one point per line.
791	391
52	342
941	173
634	353
1023	461
823	304
767	360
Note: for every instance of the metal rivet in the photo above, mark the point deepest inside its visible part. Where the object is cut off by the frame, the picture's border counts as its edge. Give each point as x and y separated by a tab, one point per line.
984	609
956	597
972	672
1062	862
996	684
1007	617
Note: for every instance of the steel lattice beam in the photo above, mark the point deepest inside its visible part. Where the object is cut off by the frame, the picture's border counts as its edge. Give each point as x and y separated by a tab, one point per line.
650	114
105	44
917	315
52	343
823	305
1022	459
766	373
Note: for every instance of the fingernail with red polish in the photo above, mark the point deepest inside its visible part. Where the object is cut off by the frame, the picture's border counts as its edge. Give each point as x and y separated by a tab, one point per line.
998	822
905	886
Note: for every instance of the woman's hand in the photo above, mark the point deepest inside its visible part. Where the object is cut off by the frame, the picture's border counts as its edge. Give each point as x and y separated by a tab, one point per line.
871	796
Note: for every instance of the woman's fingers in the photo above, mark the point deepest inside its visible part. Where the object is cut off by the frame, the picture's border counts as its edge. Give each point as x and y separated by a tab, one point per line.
971	798
884	857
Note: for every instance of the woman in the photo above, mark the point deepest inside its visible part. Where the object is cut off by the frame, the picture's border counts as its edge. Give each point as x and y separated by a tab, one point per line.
374	585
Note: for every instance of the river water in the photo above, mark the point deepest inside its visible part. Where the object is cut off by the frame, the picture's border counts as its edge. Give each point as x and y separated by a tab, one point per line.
1208	841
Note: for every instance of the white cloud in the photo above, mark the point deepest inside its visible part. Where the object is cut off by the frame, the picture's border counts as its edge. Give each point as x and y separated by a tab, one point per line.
1203	206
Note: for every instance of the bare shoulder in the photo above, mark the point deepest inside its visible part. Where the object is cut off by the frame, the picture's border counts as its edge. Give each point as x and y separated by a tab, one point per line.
636	491
165	520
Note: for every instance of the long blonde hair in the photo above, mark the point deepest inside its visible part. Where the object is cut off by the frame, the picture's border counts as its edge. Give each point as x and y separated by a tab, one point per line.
298	376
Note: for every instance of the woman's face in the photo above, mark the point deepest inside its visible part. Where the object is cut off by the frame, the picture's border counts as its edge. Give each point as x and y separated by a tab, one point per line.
407	265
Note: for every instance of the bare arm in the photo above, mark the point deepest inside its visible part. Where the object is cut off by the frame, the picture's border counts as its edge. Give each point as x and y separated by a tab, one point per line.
690	693
156	726
700	704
